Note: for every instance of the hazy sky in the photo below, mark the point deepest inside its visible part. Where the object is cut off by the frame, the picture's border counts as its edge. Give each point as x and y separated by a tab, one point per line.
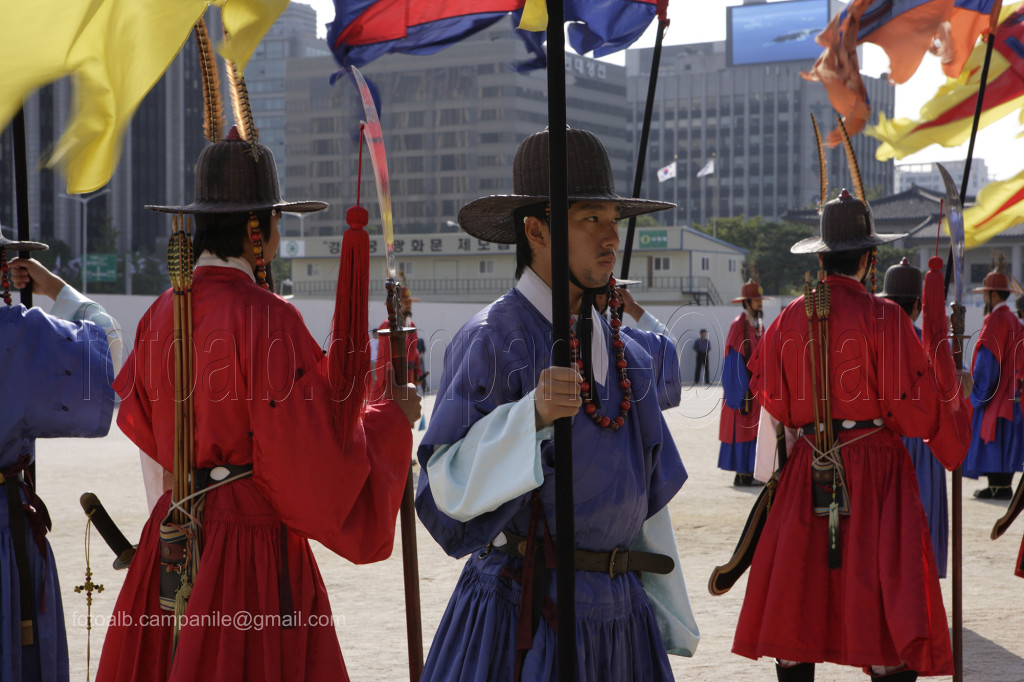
694	22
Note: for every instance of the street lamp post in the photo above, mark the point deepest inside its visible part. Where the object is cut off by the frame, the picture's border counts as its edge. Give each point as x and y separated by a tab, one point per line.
84	201
302	222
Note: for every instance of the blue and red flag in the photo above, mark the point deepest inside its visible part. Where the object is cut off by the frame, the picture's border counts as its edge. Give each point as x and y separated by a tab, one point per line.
366	29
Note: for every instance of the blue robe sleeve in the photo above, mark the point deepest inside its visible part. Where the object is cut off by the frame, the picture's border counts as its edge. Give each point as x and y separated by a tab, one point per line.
69	369
664	364
73	306
473	385
667	593
986	377
735	380
649	323
497	461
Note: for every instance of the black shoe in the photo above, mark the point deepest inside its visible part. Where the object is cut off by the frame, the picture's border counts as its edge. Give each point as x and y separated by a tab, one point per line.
999	492
901	676
746	481
803	672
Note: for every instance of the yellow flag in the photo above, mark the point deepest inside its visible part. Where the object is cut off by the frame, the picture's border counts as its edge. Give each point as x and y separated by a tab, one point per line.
115	51
946	118
535	16
999	206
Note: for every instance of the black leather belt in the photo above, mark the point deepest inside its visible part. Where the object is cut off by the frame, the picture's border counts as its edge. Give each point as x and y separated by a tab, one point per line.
845	425
615	562
205	477
222	472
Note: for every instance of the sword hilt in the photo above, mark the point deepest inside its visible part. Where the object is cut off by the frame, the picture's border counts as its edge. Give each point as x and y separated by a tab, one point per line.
111	534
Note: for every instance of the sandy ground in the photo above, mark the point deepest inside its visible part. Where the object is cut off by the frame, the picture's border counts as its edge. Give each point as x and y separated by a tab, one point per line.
368	600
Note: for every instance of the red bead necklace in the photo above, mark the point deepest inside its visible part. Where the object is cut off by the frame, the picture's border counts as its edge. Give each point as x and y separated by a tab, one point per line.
5	282
604	421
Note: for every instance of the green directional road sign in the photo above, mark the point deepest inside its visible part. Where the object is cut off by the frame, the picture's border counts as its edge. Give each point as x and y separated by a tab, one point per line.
101	267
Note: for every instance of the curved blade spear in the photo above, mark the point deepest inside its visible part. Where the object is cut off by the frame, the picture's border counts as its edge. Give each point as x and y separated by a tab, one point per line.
410	563
955	217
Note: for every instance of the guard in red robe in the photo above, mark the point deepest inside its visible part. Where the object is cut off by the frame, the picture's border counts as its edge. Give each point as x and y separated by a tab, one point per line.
278	458
997	443
737	428
850	578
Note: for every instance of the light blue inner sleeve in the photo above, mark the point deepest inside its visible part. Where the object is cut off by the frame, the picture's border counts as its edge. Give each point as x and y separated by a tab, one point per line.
649	323
667	593
73	306
497	461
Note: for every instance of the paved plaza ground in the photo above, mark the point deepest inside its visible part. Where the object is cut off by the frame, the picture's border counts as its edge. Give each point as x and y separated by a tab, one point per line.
368	600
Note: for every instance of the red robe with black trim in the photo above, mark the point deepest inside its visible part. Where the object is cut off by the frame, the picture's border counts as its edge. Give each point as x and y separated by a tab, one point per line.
734	426
883	605
261	398
1002	335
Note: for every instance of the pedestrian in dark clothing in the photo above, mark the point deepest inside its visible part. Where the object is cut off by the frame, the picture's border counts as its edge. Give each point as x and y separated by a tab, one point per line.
702	347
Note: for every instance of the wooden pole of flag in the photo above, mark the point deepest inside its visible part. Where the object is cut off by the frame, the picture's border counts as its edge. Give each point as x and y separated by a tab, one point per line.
645	132
957	489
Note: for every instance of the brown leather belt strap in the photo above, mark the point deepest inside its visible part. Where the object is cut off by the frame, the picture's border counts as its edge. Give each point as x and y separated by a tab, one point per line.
615	562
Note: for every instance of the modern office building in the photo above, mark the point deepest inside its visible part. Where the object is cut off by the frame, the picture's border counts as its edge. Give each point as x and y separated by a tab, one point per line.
926	175
292	35
451	120
752	119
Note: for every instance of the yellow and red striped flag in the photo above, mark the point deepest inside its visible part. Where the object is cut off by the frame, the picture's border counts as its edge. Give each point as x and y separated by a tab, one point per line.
999	206
946	118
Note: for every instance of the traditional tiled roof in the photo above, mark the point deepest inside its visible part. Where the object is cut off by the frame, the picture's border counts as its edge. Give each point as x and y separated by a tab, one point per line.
915	211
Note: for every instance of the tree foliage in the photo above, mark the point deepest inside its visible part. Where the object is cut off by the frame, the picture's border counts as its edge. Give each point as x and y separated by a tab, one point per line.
767	242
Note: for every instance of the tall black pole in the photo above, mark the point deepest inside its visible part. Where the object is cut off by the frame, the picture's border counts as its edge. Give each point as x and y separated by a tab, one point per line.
641	156
565	522
21	193
957	488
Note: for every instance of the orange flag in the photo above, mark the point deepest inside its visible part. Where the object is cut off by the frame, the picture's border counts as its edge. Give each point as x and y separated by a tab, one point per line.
946	118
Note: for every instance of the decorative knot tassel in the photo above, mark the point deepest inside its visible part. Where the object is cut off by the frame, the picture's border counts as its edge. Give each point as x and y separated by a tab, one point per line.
349	356
833	535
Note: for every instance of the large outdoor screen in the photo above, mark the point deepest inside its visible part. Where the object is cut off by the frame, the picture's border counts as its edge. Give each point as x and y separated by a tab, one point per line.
775	31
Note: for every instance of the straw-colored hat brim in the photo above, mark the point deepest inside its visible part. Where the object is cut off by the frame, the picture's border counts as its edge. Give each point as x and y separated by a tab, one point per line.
491	218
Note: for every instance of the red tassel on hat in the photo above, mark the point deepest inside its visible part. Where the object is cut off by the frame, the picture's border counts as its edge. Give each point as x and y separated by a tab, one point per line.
349	358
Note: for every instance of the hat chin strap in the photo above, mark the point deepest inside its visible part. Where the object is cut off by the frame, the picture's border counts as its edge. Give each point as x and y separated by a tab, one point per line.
585	331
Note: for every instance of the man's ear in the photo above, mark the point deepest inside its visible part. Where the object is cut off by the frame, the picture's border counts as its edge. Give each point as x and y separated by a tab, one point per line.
536	232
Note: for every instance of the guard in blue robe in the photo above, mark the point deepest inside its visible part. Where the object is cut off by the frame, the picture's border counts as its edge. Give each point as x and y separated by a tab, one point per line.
487	480
57	378
903	287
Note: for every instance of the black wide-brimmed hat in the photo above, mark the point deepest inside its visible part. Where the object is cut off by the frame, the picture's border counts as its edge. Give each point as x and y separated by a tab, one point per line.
11	245
231	178
846	225
589	176
902	279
